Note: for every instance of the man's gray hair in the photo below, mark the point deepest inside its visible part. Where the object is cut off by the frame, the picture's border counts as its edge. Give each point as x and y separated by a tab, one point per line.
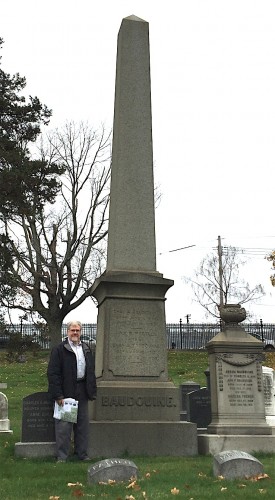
74	322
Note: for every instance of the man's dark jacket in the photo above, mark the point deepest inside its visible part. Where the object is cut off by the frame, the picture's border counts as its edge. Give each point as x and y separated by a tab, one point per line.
62	372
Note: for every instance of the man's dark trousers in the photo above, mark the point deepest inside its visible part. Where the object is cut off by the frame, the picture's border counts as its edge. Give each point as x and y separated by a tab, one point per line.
63	430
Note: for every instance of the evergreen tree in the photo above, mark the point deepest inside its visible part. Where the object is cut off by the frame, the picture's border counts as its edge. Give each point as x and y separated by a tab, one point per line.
25	184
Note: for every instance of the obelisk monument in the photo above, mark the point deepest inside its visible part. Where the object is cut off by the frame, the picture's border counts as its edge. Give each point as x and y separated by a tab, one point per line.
137	408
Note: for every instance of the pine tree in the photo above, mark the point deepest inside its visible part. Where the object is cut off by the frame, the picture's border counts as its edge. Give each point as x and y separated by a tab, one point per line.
25	184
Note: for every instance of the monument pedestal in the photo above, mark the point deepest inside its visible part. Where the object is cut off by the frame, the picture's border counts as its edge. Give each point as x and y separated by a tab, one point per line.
131	334
137	409
237	395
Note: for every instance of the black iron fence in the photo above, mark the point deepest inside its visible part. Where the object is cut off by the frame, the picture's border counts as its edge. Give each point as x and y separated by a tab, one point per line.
179	335
195	336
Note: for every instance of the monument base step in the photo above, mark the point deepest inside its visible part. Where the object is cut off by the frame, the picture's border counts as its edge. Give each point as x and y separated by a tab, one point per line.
35	450
210	444
115	438
249	429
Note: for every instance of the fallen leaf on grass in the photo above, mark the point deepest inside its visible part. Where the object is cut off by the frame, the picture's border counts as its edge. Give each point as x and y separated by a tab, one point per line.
131	485
223	489
241	485
134	486
129	497
201	474
220	477
175	491
263	476
147	474
54	498
259	477
78	493
262	491
72	485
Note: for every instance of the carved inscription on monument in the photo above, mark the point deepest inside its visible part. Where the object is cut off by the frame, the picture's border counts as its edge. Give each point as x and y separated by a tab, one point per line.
240	385
138	401
135	340
238	378
268	390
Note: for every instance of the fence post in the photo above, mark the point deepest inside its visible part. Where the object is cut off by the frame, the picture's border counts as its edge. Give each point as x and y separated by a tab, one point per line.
181	333
262	329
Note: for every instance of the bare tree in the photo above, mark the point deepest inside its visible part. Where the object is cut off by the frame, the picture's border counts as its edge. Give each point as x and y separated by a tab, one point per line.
56	254
210	277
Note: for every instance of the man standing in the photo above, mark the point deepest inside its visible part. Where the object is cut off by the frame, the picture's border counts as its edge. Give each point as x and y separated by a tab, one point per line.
71	374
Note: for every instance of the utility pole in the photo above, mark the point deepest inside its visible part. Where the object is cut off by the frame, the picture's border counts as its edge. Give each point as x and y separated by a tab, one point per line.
220	270
188	316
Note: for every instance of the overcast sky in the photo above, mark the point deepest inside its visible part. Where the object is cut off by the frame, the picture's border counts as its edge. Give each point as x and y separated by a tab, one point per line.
213	104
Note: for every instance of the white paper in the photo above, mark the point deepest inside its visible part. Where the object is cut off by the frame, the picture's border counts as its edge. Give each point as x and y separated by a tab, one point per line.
67	412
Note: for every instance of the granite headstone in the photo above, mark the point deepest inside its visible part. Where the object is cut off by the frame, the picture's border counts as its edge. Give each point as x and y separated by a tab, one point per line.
235	464
199	407
116	469
37	418
185	388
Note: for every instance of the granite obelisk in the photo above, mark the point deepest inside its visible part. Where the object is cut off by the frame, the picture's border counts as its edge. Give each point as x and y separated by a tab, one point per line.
137	408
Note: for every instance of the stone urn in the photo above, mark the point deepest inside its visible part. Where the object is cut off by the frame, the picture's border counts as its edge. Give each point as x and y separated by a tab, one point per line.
232	314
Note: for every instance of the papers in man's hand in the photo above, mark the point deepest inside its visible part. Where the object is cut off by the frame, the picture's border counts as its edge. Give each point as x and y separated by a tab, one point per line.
67	412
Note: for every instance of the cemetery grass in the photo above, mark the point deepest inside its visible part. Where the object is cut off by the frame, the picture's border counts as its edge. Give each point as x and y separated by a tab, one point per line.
159	477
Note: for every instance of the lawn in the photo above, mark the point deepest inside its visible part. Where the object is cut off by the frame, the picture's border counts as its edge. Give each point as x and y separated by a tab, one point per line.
159	478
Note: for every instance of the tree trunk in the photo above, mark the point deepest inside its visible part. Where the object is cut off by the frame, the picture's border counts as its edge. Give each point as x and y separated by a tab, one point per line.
55	328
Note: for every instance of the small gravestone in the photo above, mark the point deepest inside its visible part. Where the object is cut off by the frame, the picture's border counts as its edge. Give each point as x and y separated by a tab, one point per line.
4	420
184	390
199	407
115	469
37	419
235	464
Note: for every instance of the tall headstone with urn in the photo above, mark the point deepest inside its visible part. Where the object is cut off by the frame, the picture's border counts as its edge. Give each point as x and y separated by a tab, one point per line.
237	390
137	408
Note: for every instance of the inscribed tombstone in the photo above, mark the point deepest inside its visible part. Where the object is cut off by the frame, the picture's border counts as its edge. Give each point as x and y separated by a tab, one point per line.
234	464
199	407
37	419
